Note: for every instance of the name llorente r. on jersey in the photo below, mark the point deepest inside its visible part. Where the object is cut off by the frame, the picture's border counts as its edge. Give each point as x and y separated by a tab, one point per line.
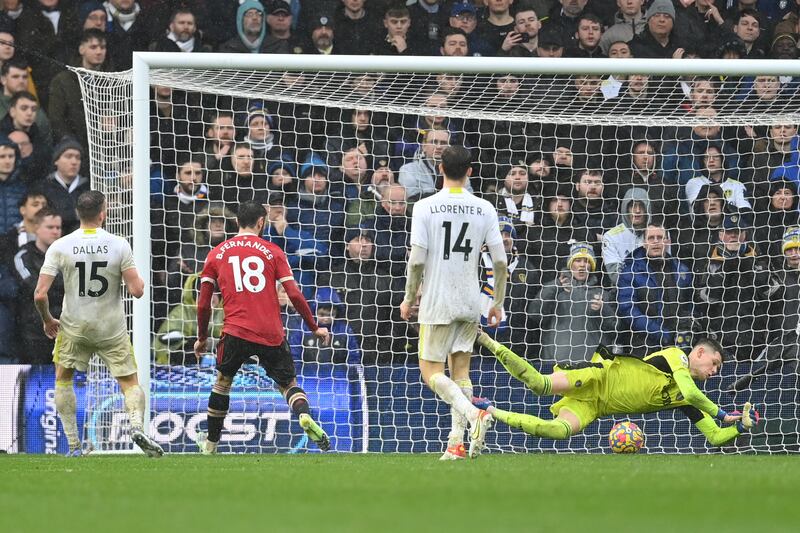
452	225
92	262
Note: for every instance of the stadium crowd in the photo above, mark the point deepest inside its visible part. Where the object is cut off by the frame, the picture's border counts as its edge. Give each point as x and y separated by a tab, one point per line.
633	237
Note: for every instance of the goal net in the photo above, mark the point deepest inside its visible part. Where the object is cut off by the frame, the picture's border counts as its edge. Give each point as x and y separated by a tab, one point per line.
641	210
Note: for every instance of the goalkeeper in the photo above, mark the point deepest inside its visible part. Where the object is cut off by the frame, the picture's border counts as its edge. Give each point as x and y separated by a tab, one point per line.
623	385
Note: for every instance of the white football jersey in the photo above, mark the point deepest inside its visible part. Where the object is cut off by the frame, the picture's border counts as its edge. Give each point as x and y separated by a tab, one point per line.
452	225
91	262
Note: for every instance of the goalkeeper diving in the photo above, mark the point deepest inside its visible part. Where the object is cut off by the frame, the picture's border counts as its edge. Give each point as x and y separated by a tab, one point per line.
609	385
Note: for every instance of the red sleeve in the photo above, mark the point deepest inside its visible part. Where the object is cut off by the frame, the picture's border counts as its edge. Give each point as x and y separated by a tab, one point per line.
300	304
282	268
204	310
210	269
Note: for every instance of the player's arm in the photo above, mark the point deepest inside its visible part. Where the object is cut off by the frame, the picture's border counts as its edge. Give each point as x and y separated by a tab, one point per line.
42	303
416	268
692	394
500	268
715	435
133	282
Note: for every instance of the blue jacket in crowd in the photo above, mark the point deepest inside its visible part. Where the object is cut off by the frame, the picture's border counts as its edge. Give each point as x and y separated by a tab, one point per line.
343	347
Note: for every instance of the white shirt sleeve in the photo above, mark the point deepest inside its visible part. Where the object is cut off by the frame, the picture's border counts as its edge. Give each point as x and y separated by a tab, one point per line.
127	262
419	229
51	265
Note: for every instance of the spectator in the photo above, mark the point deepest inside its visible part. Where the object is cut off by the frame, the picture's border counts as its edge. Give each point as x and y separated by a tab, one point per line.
392	230
514	199
307	256
628	235
785	325
748	29
551	235
497	24
319	210
570	311
37	349
245	182
15	79
7	41
512	327
182	204
397	22
262	137
127	29
250	27
282	175
784	45
357	27
360	128
220	136
591	211
47	28
12	189
420	176
352	172
362	210
502	140
427	22
322	36
281	39
369	294
66	104
772	153
8	332
63	186
330	313
564	16
654	294
22	112
659	38
734	285
455	43
775	214
173	344
716	171
705	222
173	125
701	23
587	37
464	16
182	34
629	22
522	41
23	231
92	16
32	167
550	42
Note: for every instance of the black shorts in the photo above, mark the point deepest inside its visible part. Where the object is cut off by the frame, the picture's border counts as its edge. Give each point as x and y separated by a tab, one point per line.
233	352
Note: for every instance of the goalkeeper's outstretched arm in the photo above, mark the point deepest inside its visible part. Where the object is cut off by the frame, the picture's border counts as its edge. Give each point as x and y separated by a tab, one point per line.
718	436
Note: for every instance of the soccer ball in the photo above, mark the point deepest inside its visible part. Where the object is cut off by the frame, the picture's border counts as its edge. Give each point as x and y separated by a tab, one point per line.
625	437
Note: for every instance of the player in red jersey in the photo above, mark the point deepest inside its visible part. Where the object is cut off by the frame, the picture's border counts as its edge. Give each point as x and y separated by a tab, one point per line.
245	269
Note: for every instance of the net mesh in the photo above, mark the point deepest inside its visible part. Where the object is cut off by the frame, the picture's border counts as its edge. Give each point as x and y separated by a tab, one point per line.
324	148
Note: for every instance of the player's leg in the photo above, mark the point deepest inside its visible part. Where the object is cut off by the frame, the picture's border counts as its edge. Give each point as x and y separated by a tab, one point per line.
543	385
117	354
570	421
459	373
66	408
279	365
218	403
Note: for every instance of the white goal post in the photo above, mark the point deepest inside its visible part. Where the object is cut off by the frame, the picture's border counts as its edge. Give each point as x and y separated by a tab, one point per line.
115	151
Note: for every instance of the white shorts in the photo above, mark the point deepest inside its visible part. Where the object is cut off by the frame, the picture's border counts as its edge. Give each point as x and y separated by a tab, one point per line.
116	353
438	341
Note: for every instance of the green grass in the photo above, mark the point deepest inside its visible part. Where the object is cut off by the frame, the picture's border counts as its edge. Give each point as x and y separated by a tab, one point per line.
404	493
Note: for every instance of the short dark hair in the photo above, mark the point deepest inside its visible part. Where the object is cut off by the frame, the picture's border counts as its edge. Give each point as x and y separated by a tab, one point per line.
456	161
397	10
90	204
447	32
588	172
44	213
22	95
747	12
249	213
15	62
183	10
32	193
93	34
711	343
591	17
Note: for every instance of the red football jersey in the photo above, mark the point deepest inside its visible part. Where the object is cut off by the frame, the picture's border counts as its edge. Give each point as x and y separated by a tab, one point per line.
245	268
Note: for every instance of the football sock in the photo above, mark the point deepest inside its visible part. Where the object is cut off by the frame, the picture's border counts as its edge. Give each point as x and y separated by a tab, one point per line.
518	367
65	405
218	403
533	425
297	400
458	422
134	405
448	391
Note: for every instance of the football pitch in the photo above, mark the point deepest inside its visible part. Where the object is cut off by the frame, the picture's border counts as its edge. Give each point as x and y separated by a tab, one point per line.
403	493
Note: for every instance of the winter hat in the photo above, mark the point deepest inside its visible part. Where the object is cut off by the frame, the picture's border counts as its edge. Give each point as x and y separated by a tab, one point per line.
257	109
285	162
313	163
86	8
581	249
66	143
735	221
791	239
661	7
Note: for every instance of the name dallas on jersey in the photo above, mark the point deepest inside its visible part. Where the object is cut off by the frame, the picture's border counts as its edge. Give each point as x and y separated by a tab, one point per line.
244	244
90	249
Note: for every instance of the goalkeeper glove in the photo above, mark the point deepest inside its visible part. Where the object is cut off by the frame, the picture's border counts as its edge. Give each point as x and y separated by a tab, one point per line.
750	418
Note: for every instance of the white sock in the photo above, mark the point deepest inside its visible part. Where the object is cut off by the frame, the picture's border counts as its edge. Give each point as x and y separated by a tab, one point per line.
65	405
448	391
459	423
134	405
